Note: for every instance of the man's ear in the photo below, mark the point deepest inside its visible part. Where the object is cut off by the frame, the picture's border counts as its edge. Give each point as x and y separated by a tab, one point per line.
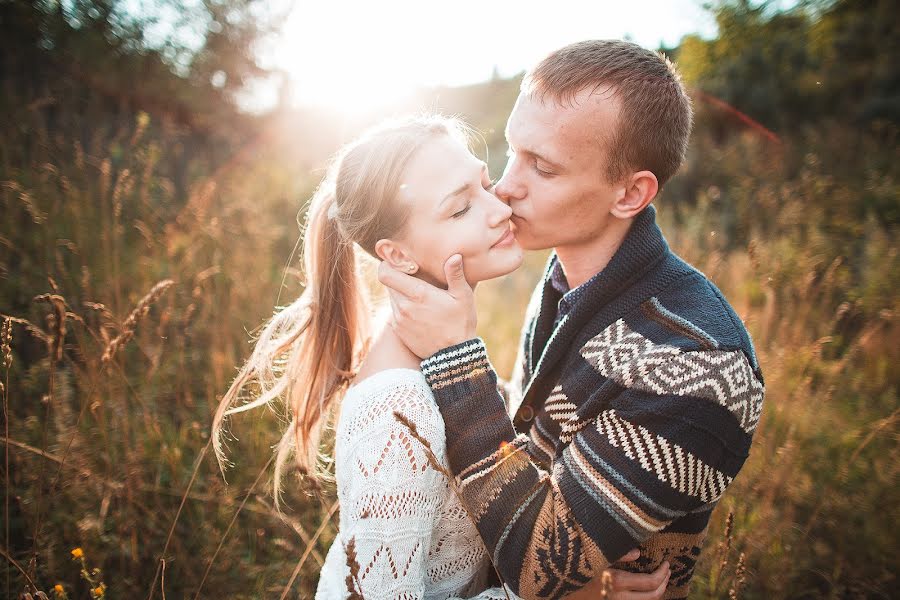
393	254
639	190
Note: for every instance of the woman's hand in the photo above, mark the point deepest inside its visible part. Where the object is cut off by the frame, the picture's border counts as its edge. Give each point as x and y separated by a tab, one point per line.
622	585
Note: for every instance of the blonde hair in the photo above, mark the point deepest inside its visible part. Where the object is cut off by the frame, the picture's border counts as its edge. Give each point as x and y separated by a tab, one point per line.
309	350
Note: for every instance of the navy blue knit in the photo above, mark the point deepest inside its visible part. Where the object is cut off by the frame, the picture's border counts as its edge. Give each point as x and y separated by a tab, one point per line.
639	397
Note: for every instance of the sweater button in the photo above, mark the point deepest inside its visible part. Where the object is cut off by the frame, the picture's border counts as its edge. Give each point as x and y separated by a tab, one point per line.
526	413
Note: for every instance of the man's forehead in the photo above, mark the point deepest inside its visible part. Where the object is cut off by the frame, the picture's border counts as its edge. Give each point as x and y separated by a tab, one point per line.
531	118
558	124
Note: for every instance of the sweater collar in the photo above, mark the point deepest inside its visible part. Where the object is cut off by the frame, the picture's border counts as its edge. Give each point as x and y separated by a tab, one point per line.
643	246
642	249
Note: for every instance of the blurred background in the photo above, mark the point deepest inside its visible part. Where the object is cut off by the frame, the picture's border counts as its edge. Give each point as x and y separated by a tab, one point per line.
156	157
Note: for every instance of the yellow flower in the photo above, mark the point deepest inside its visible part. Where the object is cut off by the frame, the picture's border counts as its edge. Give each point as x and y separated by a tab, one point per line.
58	588
98	591
77	553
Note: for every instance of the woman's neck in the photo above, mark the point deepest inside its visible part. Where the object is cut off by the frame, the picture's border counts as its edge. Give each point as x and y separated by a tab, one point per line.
387	352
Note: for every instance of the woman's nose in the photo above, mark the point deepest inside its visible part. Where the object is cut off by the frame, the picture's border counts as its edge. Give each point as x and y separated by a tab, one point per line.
498	212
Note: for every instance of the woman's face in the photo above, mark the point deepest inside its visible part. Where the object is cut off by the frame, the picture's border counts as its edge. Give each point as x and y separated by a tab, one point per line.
452	212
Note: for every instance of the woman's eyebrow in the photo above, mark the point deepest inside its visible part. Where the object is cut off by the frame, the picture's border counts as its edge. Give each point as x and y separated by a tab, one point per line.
456	192
464	187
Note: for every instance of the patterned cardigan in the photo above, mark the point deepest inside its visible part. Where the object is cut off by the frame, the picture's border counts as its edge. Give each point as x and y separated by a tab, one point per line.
632	417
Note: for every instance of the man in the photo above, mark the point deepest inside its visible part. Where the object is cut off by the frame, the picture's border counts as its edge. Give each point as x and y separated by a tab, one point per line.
637	388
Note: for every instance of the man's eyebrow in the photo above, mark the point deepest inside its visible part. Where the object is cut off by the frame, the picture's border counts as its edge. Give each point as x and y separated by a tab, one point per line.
543	158
463	188
540	157
531	152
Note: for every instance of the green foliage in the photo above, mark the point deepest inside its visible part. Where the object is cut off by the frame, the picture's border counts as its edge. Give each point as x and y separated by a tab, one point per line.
820	61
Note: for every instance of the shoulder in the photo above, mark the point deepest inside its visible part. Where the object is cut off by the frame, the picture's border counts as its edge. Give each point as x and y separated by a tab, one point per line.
389	436
383	401
692	314
685	342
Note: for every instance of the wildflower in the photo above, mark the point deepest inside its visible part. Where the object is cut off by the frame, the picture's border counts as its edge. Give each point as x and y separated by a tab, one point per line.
77	553
99	591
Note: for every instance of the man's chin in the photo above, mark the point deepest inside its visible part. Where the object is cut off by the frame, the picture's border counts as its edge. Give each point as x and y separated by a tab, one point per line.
529	244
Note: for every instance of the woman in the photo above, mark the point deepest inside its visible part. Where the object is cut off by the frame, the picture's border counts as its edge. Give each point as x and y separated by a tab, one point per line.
409	193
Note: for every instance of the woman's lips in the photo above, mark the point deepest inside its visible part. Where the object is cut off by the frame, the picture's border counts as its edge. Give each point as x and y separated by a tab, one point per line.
506	240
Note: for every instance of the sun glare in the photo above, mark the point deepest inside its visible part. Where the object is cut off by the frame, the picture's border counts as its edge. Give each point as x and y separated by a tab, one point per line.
357	56
354	57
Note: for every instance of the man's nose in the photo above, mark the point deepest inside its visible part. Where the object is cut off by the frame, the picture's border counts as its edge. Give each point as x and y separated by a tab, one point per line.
508	189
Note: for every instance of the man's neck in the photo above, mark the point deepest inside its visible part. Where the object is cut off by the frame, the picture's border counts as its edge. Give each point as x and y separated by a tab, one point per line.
583	261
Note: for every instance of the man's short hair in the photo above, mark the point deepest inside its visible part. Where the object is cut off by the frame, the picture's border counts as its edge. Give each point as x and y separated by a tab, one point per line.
655	117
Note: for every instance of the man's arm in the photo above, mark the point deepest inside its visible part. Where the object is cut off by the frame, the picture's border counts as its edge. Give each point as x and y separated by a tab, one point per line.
644	462
489	457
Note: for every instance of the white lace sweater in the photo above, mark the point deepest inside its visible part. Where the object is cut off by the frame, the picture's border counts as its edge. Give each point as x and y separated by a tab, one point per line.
413	538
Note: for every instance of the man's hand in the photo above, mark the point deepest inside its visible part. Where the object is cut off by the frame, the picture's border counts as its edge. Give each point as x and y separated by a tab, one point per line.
428	318
622	585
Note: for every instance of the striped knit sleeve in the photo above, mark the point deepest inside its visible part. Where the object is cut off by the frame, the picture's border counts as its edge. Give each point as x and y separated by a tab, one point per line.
646	460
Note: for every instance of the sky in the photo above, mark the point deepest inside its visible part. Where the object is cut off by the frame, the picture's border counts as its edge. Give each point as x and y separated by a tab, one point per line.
357	54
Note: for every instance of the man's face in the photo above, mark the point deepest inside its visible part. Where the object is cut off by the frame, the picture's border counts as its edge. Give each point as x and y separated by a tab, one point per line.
555	178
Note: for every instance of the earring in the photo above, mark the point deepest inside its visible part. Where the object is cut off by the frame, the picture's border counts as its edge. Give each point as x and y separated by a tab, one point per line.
410	268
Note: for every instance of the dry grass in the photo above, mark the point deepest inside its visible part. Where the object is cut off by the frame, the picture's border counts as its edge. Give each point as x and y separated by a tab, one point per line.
131	323
107	405
354	587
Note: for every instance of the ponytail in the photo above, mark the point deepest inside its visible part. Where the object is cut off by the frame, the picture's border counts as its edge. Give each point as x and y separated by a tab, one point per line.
309	350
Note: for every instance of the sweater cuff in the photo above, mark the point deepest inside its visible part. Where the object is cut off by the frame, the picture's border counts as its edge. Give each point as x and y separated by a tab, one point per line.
464	385
455	364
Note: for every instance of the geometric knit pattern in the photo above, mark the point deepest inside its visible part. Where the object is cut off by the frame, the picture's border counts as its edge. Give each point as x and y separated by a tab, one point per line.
413	537
563	412
667	460
639	407
633	361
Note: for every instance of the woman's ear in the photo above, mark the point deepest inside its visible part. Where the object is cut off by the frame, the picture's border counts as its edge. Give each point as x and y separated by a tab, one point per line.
640	189
393	254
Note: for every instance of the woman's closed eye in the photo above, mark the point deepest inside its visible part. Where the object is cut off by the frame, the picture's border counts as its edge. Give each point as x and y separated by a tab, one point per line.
488	186
460	213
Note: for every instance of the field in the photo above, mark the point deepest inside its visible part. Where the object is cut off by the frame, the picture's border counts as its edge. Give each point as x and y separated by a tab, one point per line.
140	248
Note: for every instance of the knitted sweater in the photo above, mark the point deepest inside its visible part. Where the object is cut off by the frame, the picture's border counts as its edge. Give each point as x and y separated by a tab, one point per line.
412	537
631	418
